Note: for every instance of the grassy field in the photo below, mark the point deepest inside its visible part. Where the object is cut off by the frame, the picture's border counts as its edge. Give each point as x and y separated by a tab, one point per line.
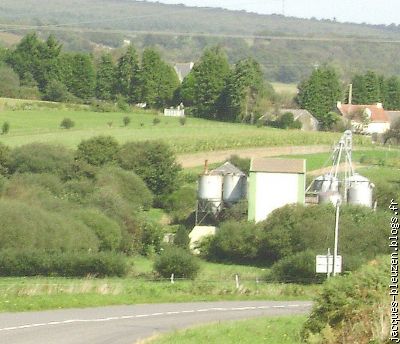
277	330
215	282
319	160
40	122
280	87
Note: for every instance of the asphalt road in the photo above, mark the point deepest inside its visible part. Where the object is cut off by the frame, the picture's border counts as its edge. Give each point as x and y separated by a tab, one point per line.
129	324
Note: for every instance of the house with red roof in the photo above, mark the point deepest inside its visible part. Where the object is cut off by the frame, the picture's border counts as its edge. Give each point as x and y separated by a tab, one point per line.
365	119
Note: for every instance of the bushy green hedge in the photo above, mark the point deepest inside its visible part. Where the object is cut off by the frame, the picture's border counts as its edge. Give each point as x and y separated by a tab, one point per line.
29	227
297	268
98	150
77	264
41	158
177	261
353	308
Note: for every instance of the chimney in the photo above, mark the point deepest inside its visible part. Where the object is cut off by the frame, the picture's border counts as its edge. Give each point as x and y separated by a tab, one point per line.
206	167
350	93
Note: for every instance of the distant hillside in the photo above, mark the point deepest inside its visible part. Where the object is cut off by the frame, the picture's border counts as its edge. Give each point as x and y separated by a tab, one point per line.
288	48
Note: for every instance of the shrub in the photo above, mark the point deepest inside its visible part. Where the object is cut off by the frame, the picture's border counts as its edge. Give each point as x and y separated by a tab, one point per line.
126	120
122	104
5	128
101	106
177	261
4	159
181	203
297	268
156	120
67	123
151	238
29	227
42	263
182	120
242	164
181	238
56	91
107	231
236	242
352	308
98	150
41	158
127	184
154	162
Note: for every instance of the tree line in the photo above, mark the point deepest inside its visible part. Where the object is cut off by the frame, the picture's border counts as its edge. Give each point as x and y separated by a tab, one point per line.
214	89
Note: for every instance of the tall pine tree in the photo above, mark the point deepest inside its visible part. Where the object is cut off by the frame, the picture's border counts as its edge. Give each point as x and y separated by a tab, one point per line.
105	78
210	77
127	75
319	94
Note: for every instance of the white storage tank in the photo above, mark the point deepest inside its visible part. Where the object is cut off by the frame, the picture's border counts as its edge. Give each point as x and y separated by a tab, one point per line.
210	189
234	188
325	183
360	191
329	197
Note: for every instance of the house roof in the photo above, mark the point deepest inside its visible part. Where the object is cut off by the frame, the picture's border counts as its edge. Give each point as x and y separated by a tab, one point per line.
183	69
393	116
297	113
378	114
278	165
227	168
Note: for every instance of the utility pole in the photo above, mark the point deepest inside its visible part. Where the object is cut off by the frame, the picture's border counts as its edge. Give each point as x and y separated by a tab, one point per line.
335	250
350	93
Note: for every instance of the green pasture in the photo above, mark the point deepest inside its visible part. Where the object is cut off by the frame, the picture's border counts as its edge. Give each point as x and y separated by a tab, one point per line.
40	122
215	282
273	330
369	156
280	87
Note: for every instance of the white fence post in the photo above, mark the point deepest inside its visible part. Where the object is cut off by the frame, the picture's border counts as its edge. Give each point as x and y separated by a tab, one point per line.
237	281
172	278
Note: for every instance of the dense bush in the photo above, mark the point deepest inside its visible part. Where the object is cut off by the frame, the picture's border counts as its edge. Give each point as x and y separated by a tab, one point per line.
4	159
181	203
353	308
297	268
154	162
177	261
67	123
42	263
5	128
98	150
127	184
56	91
28	227
151	239
126	120
41	158
181	238
107	231
235	242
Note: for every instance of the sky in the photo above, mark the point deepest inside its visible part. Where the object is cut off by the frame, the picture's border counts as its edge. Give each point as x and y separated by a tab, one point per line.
356	11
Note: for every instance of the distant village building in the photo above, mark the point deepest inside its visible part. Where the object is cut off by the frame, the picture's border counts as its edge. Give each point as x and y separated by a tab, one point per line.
175	112
274	183
307	120
183	69
365	119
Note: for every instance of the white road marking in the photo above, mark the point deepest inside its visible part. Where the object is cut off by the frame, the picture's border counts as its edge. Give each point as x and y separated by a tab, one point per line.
124	317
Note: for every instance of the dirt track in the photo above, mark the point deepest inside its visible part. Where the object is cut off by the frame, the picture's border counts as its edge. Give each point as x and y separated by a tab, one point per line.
197	159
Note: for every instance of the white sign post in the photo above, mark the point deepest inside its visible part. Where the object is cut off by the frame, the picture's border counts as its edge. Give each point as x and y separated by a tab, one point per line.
324	264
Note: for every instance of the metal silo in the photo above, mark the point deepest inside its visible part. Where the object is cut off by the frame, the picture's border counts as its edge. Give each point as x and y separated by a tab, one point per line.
210	190
329	197
324	183
234	188
359	191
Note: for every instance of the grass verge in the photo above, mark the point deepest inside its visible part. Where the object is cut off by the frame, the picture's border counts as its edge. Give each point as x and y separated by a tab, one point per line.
273	330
